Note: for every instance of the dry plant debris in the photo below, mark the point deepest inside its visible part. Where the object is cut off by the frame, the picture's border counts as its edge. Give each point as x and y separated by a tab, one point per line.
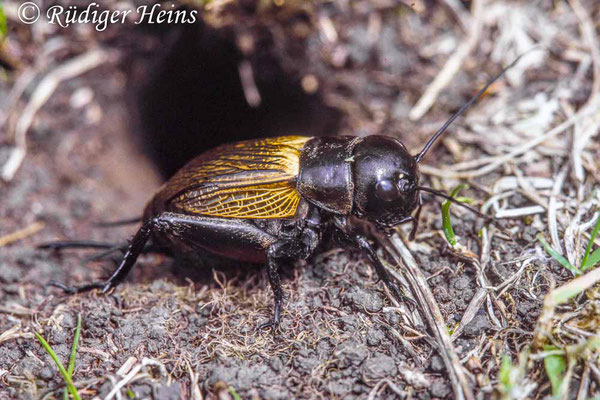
498	315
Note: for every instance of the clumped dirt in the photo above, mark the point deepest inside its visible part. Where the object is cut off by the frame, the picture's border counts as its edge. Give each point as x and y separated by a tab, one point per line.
186	328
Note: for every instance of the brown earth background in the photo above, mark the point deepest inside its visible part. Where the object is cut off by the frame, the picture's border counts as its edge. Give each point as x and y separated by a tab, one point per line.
103	117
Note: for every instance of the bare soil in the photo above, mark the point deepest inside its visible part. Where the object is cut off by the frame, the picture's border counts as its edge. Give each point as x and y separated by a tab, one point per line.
186	328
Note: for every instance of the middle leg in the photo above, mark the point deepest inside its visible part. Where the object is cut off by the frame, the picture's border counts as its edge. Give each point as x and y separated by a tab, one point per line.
275	282
295	247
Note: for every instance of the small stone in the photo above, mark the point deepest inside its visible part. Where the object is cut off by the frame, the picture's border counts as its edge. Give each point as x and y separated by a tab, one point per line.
437	364
276	364
351	353
46	373
477	326
439	389
365	300
374	336
171	392
379	367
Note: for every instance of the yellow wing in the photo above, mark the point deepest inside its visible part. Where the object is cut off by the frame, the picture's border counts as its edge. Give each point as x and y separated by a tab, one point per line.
249	179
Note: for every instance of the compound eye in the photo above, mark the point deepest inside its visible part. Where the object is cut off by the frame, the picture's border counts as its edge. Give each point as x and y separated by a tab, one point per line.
404	185
386	190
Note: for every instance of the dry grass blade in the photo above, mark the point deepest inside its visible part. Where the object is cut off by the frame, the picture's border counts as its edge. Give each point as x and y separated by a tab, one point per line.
472	309
21	234
194	387
589	35
462	15
375	391
40	96
490	164
452	66
432	314
137	372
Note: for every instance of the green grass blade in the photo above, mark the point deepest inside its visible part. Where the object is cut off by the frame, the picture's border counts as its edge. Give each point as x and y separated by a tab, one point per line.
562	260
59	365
463	199
592	260
71	367
446	222
555	366
572	288
586	262
75	344
234	393
562	296
505	371
3	26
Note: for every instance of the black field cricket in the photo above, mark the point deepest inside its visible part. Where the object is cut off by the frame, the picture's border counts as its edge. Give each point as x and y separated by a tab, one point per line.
269	201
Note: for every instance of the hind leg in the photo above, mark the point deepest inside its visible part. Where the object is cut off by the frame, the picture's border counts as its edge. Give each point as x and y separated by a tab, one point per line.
231	238
242	240
109	248
76	244
135	248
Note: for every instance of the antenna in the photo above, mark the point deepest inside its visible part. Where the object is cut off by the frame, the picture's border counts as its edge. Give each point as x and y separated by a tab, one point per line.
488	218
458	203
464	108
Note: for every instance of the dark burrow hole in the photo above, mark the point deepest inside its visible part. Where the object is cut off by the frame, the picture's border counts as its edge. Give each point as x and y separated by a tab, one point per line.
190	97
